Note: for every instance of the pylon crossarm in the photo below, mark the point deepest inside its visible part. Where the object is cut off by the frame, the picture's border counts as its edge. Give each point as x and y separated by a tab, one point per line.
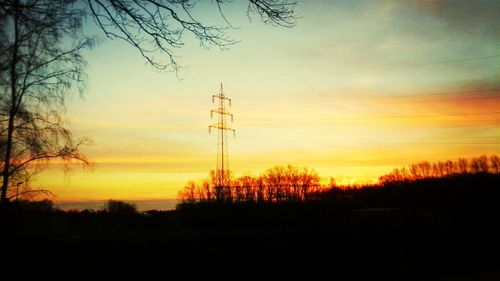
220	127
220	111
219	96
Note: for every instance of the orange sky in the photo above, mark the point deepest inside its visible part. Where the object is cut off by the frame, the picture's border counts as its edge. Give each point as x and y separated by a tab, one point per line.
353	91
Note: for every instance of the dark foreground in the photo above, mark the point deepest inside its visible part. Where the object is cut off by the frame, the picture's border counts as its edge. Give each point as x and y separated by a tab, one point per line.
457	239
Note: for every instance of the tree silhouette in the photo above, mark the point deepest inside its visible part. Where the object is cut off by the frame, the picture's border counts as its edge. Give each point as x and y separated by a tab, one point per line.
426	170
120	207
275	185
495	164
38	69
188	194
479	164
285	184
463	165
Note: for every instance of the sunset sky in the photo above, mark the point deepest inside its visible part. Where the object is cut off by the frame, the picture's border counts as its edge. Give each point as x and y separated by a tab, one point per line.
354	90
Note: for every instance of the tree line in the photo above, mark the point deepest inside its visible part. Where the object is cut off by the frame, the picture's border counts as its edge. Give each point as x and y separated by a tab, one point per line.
440	169
277	184
300	184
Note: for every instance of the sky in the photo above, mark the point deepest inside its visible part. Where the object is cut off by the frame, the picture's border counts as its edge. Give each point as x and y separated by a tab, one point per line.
356	89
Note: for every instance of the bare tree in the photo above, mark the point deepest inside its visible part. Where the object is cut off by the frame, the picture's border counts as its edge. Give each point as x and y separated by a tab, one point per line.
463	166
479	164
38	69
248	185
495	164
188	194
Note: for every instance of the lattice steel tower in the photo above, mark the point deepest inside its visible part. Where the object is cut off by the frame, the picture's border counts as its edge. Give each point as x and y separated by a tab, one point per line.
222	174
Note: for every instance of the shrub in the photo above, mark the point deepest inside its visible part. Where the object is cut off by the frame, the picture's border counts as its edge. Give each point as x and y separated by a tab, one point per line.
120	207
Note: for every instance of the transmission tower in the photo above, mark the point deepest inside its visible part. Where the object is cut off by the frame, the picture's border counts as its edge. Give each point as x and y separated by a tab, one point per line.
222	175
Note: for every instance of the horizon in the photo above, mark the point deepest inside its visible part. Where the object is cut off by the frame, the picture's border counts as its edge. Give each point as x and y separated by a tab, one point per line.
325	183
142	204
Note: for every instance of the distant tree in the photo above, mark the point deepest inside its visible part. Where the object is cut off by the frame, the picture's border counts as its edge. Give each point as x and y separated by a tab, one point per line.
449	168
332	183
120	207
391	177
398	176
208	190
188	194
425	169
248	186
203	192
463	166
289	183
415	172
260	190
440	169
274	180
479	164
309	183
238	191
495	164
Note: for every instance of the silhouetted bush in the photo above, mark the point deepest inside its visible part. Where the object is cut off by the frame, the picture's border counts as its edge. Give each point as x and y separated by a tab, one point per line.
42	206
120	207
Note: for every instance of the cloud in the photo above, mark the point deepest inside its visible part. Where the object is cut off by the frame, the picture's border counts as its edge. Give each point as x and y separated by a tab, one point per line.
478	18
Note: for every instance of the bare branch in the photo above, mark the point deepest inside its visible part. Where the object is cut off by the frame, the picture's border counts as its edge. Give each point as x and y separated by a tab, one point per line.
158	26
276	12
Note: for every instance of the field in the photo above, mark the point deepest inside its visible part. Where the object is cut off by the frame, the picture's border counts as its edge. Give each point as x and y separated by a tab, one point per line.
453	234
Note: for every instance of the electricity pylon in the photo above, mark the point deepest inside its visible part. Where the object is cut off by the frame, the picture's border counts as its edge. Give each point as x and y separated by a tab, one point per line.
222	174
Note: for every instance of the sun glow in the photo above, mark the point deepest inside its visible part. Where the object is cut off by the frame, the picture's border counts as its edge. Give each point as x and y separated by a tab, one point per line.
353	91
